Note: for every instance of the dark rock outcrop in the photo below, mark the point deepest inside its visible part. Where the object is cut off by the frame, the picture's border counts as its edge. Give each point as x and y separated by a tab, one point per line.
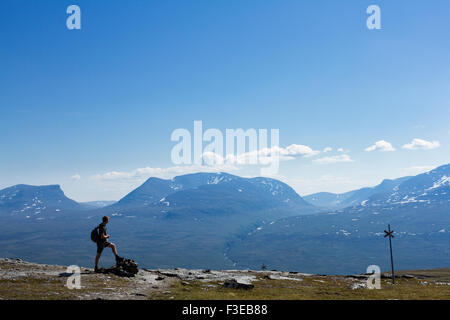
237	285
125	268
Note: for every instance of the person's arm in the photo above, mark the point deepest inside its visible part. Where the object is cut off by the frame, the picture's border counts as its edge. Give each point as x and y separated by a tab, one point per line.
103	234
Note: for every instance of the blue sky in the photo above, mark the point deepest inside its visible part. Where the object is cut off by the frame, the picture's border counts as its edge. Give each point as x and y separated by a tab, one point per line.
76	104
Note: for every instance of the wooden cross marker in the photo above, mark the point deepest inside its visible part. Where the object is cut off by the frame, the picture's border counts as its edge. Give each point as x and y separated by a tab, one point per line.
390	234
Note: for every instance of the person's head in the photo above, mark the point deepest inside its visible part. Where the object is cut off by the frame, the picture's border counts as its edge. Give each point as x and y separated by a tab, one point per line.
105	219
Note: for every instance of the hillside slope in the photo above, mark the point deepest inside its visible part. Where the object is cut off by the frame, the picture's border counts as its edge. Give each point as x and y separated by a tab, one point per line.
211	193
35	201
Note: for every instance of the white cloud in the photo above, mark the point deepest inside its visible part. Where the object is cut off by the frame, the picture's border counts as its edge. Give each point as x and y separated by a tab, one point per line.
143	173
263	156
340	150
299	150
213	163
381	146
327	149
421	144
334	159
75	177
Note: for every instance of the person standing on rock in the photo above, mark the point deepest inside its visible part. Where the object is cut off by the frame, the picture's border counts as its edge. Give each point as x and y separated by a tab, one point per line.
102	243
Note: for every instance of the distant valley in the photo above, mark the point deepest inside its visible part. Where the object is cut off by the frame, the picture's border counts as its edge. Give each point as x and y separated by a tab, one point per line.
222	221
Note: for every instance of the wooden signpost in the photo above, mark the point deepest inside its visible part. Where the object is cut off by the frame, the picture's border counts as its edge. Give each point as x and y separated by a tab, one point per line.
390	233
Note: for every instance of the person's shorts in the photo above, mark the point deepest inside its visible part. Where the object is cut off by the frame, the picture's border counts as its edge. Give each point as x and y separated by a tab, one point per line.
102	245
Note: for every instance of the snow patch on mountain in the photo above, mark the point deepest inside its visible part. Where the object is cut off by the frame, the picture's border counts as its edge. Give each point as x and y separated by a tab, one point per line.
443	181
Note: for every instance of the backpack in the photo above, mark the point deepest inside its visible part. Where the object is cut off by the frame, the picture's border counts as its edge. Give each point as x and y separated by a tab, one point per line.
95	237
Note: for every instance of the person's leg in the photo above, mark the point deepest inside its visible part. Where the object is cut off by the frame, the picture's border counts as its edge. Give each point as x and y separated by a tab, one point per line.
97	257
99	253
114	249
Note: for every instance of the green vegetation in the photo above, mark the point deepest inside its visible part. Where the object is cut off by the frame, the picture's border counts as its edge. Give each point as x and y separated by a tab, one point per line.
30	288
28	281
311	288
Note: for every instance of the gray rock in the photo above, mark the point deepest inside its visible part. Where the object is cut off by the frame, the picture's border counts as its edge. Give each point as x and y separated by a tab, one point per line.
233	284
279	277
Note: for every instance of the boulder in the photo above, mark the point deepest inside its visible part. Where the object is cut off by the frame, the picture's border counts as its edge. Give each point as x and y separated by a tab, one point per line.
233	284
125	268
129	265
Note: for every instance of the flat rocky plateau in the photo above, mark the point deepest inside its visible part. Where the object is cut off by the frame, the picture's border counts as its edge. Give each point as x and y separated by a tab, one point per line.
25	280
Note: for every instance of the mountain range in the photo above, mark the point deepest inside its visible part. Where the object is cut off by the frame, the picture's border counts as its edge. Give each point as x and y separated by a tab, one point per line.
430	187
199	193
219	220
351	238
28	201
354	197
212	194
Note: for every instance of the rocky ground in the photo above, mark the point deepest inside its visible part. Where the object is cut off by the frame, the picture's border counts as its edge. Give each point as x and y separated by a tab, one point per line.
24	280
